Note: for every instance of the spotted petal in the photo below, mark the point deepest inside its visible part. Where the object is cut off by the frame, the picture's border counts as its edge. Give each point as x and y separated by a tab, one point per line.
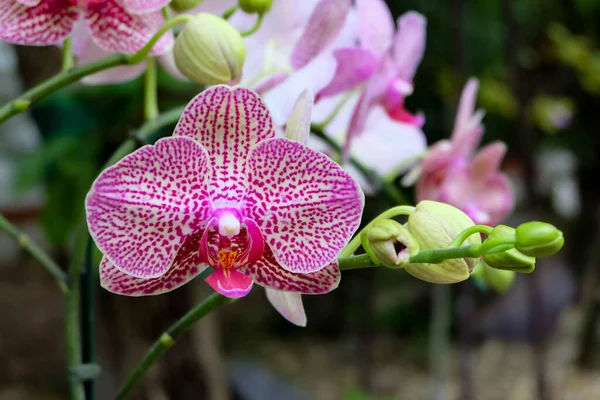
323	27
306	205
228	123
144	6
114	29
142	209
289	305
268	273
29	3
47	23
186	266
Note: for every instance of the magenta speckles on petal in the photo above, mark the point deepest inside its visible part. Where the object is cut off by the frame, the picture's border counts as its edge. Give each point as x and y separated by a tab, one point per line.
307	207
186	266
144	6
228	123
47	23
268	273
114	29
141	210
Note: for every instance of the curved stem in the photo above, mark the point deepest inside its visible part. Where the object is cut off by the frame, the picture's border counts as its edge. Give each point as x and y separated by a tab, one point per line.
150	88
166	13
228	13
168	338
356	262
67	54
434	256
144	51
356	241
36	252
255	27
72	313
464	235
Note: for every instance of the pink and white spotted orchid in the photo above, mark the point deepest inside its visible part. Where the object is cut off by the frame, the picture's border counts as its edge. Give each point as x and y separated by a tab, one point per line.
122	26
223	192
383	66
453	174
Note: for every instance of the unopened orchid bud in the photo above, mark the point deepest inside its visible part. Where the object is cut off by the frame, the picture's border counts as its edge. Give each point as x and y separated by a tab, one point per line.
184	5
538	239
511	259
434	226
499	280
210	51
255	6
391	243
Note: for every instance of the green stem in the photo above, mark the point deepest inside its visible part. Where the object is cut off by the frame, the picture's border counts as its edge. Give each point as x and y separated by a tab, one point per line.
168	338
88	319
255	27
227	14
36	252
144	51
46	88
150	89
356	262
166	13
356	241
464	235
67	58
389	189
72	313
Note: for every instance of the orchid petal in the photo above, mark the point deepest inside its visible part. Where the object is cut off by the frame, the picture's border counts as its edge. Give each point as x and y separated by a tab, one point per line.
466	109
289	305
268	273
228	123
306	205
314	77
186	266
496	198
409	45
357	123
29	3
376	25
391	141
271	82
324	25
488	160
144	6
230	283
298	125
115	30
141	210
91	53
354	66
48	23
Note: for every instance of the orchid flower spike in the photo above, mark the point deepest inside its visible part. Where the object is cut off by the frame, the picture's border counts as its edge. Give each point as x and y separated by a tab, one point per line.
224	193
120	26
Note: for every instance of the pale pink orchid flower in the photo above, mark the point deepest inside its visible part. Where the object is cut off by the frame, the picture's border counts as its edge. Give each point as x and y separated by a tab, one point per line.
292	50
224	193
383	66
453	173
120	26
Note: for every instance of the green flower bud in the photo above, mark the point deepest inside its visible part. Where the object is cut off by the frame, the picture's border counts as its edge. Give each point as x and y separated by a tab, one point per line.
386	237
497	279
510	259
538	239
184	5
210	51
255	6
434	226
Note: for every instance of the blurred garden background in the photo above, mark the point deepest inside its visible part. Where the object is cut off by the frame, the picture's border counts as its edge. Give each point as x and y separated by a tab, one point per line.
382	334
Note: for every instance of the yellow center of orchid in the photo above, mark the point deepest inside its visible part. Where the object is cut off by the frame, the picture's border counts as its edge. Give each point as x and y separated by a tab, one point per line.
227	258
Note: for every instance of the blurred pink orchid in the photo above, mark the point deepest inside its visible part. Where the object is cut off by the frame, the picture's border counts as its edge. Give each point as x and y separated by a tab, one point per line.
452	173
223	192
383	66
121	26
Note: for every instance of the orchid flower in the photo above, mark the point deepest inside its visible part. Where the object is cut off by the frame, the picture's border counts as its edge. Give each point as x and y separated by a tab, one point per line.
122	26
453	174
224	193
291	51
382	67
